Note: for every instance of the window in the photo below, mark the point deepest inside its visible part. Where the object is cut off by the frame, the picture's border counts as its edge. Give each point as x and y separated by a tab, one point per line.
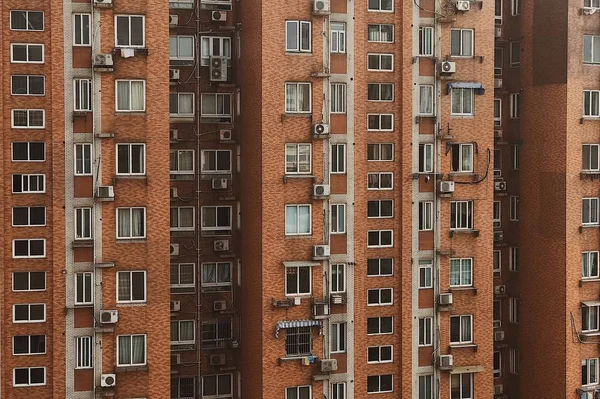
462	101
338	158
83	159
212	46
497	214
298	158
461	215
182	332
426	158
380	152
29	248
29	281
26	20
426	386
338	98
380	297
589	371
28	216
131	287
426	41
380	325
497	162
217	386
303	392
29	344
131	223
380	383
591	3
515	7
380	181
515	54
513	264
380	62
182	104
513	310
516	158
590	157
298	220
380	354
131	95
81	30
298	36
181	48
461	272
515	105
381	5
27	85
26	53
131	159
380	92
591	49
461	329
514	208
426	100
380	238
591	103
183	387
498	61
461	42
82	94
215	161
182	218
129	31
380	209
29	313
589	264
425	331
338	337
29	376
28	119
298	280
425	272
338	219
497	112
589	318
183	277
497	369
497	313
589	211
514	361
338	390
338	278
498	12
425	216
181	4
338	37
216	220
298	98
84	352
380	122
497	263
380	267
84	288
215	108
28	152
182	162
216	277
131	350
28	184
461	386
298	341
380	33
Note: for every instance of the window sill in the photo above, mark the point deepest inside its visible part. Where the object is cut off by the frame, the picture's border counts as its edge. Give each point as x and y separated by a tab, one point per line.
588	280
464	232
304	53
589	174
453	289
298	176
181	119
130	113
125	369
588	226
131	241
464	346
136	50
298	236
83	243
131	305
462	116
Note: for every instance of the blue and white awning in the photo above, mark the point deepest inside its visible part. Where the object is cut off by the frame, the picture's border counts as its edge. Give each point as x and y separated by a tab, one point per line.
297	323
477	87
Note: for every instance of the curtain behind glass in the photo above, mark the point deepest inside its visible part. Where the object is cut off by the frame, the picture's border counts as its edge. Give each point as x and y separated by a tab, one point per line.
138	101
124	350
138	349
124	286
124	228
291	220
122	95
137	225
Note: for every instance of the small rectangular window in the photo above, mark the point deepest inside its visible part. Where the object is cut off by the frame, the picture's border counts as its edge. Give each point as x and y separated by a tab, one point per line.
461	272
131	159
589	265
426	41
338	278
380	152
426	100
514	208
298	158
381	5
182	162
591	103
497	112
216	277
515	54
131	95
26	20
338	158
497	215
425	215
591	3
498	61
590	155
461	42
298	280
29	281
298	220
589	370
29	248
183	277
497	263
461	329
513	264
380	297
183	218
380	325
298	36
216	331
425	158
215	161
221	386
515	105
426	386
514	305
82	30
28	119
131	287
589	318
84	352
183	332
84	288
29	313
383	92
83	159
129	31
82	94
26	53
380	238
461	386
181	48
338	219
462	158
380	209
298	98
338	98
498	12
338	390
380	181
338	38
338	337
425	273
131	223
515	7
27	85
462	101
28	151
380	383
515	360
29	345
425	331
380	33
516	156
29	376
380	354
461	215
380	267
131	350
28	184
214	108
28	216
216	221
380	62
591	49
380	122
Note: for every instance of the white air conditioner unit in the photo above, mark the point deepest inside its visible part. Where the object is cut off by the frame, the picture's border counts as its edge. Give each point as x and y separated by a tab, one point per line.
221	245
103	60
217	360
225	135
219	16
297	301
219	306
173	192
498	134
337	299
498	31
105	192
500	290
321	190
463	5
498	83
175	306
500	185
174	74
174	250
218	69
320	310
173	134
328	365
321	252
108	380
220	184
446	186
321	7
173	20
445	362
448	67
109	316
498	389
445	299
320	129
498	236
103	3
497	323
498	336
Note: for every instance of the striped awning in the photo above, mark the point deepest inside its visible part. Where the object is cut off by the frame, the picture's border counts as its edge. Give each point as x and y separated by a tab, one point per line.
477	87
297	323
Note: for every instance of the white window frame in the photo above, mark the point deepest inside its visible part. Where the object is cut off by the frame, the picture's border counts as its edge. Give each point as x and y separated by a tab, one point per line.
425	215
293	103
593	97
497	262
28	178
178	154
379	318
220	100
129	18
498	61
379	119
516	156
335	211
130	147
425	331
456	217
27	12
515	106
514	305
513	259
340	332
338	278
497	368
29	320
466	109
179	284
83	217
216	230
426	42
87	289
379	7
338	158
79	154
28	77
379	92
463	395
29	240
379	234
29	345
465	272
84	352
591	4
297	390
380	301
515	361
338	97
297	149
28	282
131	237
462	339
426	158
390	360
217	286
131	350
379	390
178	210
498	116
589	315
29	222
514	208
469	51
228	394
82	88
129	82
29	143
589	47
498	12
428	110
591	370
86	37
224	44
588	259
593	162
130	288
300	45
297	271
178	42
179	95
27	45
590	204
179	340
513	46
425	274
29	384
298	206
379	214
380	56
379	175
203	163
379	272
338	390
378	27
338	37
29	113
515	7
497	215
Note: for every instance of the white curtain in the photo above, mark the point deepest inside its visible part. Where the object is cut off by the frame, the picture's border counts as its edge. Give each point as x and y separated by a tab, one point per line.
291	220
122	96
138	101
467	157
186	331
138	349
124	350
304	219
209	104
209	273
467	42
290	97
426	99
124	228
137	225
186	161
224	271
186	47
124	286
465	329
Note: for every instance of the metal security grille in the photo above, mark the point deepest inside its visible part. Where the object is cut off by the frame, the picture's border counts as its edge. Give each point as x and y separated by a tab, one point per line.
298	341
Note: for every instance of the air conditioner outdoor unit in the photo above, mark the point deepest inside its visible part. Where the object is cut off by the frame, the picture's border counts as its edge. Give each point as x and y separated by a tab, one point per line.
337	299
225	135
497	83
498	389
497	323
321	190
173	20
445	299
321	7
497	134
174	74
499	186
109	316
500	290
463	5
328	365
321	252
448	67
103	3
219	184
320	311
297	301
498	336
173	192
173	134
174	250
108	380
218	69
320	129
498	31
445	362
446	186
105	192
219	306
219	16
175	306
498	236
217	360
103	60
221	245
